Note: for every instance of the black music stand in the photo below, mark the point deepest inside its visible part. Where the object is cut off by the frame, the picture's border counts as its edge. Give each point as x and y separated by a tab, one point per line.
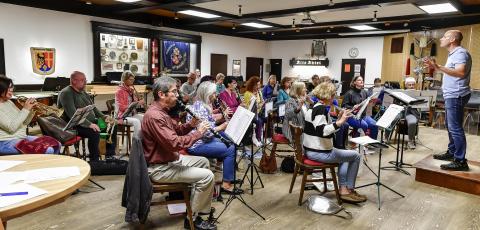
77	118
234	196
251	165
405	101
378	183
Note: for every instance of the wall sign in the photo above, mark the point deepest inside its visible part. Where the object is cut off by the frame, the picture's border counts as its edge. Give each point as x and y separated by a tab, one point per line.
353	52
43	60
308	62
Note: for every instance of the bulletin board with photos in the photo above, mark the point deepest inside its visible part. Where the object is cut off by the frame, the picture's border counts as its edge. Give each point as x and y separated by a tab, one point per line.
119	53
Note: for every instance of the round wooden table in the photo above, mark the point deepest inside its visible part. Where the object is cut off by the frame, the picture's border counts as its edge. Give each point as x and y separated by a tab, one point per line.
58	190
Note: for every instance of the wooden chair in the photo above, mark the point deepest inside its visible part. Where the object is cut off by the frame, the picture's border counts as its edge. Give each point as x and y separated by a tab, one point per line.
277	138
309	167
175	187
125	129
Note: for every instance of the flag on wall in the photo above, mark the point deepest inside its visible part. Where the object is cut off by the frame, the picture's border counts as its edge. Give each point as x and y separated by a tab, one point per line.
176	57
43	60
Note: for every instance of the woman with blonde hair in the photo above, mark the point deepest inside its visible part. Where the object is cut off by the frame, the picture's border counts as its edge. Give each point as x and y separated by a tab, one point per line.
270	89
210	146
219	81
295	108
318	142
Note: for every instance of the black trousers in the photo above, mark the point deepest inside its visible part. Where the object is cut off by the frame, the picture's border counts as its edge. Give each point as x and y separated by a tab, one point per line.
93	141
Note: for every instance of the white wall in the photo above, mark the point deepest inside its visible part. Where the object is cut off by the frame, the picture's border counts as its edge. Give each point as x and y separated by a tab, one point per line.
71	36
370	48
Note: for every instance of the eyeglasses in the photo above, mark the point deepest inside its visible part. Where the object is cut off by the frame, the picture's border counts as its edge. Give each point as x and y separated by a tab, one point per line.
174	91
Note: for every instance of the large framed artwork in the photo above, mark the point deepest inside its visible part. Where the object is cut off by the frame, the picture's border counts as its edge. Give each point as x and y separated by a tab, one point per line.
43	60
176	57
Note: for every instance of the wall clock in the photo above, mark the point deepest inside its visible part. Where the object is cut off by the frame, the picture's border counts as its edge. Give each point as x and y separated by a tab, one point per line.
353	52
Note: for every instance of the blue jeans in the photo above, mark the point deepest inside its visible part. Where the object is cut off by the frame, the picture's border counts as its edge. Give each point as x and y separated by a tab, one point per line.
217	149
8	147
454	112
349	161
365	123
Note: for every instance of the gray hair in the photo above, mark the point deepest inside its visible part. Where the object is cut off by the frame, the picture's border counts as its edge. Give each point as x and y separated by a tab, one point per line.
296	89
204	90
162	84
220	76
126	75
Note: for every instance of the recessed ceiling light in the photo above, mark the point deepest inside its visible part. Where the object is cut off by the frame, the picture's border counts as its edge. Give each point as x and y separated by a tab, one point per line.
256	25
375	32
88	3
199	14
438	8
362	27
128	1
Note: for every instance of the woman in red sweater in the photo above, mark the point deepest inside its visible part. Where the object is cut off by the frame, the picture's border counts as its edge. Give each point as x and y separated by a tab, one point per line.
124	96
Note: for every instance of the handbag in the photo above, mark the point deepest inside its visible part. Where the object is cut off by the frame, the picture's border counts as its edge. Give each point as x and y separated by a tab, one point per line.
53	126
268	163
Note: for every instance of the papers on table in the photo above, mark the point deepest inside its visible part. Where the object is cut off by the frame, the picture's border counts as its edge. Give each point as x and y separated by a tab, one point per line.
239	124
4	164
37	175
16	188
389	116
363	140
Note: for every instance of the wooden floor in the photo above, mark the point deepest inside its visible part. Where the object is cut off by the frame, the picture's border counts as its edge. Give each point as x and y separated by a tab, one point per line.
424	207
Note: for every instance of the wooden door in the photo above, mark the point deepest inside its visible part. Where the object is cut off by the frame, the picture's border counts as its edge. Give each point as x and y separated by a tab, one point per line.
218	64
254	68
351	68
276	67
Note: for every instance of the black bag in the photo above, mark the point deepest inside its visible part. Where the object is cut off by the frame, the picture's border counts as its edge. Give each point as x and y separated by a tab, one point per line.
288	164
109	167
53	126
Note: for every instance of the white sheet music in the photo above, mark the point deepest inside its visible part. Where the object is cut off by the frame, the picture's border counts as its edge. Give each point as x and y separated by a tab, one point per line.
4	164
389	116
363	140
268	107
239	124
403	97
364	104
281	110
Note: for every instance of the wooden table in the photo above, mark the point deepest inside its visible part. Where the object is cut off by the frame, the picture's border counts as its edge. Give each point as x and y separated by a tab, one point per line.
58	190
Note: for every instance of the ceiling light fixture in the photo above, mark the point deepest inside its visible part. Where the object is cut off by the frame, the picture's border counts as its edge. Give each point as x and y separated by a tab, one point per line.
256	25
362	27
375	32
297	30
405	24
176	16
331	3
308	21
328	30
374	19
88	3
273	33
438	8
239	10
233	26
198	14
128	1
293	23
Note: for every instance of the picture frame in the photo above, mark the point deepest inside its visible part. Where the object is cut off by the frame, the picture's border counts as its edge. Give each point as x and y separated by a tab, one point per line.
119	65
236	68
131	41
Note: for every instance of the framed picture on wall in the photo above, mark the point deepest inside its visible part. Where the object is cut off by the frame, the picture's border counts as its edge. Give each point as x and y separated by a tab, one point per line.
236	68
176	57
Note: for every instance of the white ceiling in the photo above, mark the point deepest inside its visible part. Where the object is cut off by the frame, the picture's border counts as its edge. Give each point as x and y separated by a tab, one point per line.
364	13
255	6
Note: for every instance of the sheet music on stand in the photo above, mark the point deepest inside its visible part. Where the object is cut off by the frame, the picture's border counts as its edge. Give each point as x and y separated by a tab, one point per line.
79	116
404	97
128	112
281	110
364	104
238	124
389	116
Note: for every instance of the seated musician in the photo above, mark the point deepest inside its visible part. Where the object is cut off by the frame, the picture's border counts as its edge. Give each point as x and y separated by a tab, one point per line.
189	87
210	146
74	97
351	100
125	95
163	137
219	81
318	144
229	95
13	121
412	116
283	96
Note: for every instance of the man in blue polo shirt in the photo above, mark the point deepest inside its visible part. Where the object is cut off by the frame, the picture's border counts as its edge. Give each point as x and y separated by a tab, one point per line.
456	92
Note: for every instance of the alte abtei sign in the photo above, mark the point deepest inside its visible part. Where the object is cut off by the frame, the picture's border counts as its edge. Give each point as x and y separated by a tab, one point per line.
309	62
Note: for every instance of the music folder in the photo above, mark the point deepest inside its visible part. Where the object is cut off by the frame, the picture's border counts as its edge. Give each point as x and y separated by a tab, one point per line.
79	116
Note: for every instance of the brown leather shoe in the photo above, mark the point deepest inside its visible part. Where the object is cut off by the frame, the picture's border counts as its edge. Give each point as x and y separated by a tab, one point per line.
360	196
351	198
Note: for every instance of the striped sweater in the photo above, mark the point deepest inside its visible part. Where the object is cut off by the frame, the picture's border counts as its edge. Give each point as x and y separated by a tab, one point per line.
318	129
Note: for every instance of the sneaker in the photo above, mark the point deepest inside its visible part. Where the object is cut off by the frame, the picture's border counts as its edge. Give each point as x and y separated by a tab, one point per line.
447	156
411	145
456	165
200	224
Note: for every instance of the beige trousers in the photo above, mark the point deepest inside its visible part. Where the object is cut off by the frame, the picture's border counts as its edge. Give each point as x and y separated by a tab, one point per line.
188	169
